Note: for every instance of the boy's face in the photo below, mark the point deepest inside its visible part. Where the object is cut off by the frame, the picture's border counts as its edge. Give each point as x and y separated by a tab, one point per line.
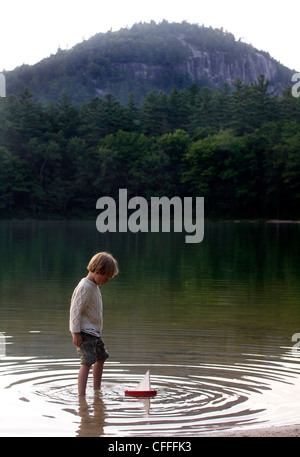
100	279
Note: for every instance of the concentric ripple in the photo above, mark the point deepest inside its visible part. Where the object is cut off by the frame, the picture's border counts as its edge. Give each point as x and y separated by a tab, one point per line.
39	398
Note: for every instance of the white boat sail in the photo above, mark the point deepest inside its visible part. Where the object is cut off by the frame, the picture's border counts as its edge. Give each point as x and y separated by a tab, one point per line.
145	383
143	388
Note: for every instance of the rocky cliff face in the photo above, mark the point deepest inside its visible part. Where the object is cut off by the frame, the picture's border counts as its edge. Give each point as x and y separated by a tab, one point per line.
219	68
215	68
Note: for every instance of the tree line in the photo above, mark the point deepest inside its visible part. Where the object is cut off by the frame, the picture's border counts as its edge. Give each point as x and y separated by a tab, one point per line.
239	148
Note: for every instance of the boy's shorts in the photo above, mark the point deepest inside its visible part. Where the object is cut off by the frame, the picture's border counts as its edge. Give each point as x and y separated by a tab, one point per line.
92	349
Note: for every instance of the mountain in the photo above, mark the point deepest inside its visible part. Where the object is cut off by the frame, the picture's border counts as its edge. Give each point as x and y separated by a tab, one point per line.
146	57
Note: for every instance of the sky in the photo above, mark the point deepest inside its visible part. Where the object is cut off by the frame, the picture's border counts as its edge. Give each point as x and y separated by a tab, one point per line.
31	30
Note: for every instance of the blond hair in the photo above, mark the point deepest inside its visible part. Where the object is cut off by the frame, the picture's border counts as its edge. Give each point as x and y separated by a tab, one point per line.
104	263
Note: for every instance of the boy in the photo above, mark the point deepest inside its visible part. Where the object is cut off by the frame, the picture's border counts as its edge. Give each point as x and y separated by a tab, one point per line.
86	318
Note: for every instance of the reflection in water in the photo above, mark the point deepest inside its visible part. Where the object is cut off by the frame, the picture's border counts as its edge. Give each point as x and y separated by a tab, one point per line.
213	322
92	417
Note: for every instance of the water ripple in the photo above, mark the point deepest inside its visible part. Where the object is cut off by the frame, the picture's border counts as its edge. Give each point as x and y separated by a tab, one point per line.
40	398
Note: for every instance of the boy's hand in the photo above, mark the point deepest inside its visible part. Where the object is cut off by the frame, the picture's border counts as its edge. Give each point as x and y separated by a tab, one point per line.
77	340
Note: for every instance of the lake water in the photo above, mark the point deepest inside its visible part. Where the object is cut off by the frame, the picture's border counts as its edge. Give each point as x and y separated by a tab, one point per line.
212	321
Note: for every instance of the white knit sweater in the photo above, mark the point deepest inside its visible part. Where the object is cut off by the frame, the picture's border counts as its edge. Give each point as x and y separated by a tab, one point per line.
86	308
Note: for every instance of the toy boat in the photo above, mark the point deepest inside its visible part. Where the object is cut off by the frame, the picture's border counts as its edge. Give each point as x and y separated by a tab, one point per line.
143	389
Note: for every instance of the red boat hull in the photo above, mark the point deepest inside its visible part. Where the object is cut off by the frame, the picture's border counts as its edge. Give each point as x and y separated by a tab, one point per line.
141	393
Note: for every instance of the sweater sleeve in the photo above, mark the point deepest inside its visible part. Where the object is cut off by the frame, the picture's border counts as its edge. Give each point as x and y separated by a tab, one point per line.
78	302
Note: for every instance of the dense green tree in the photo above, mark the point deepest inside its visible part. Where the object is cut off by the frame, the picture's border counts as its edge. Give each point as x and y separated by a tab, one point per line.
222	169
12	181
101	117
204	111
174	146
154	112
240	121
151	174
127	149
222	107
238	148
290	155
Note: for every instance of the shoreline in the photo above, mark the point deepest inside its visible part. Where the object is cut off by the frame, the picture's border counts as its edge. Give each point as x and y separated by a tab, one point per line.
274	431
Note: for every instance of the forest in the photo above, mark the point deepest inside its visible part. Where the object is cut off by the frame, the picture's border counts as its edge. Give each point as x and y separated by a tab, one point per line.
238	148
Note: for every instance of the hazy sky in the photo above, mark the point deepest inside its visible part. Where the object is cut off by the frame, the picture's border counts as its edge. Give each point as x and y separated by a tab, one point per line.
34	29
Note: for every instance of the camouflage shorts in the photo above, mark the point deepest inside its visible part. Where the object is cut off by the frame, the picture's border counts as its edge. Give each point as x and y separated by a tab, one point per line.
92	349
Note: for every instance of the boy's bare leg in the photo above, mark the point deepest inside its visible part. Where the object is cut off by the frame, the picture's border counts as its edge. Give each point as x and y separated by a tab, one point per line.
82	379
97	373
